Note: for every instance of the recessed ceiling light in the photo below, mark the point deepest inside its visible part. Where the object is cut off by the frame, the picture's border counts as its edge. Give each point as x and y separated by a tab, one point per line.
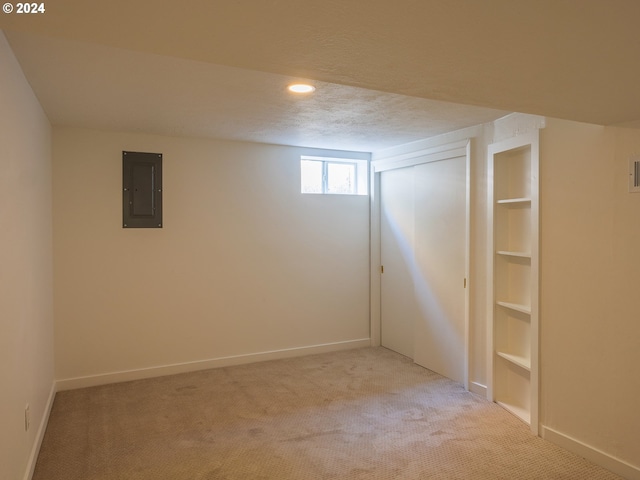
301	88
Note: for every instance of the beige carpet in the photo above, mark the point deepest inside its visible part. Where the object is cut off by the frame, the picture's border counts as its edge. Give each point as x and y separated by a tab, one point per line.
359	414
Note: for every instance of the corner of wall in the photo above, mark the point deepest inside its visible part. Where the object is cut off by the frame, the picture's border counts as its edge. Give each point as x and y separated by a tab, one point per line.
26	283
42	428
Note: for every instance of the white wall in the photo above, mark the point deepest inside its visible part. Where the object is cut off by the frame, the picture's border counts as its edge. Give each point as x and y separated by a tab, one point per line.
26	319
244	262
590	321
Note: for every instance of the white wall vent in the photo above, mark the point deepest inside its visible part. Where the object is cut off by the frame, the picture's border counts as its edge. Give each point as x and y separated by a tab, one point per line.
634	174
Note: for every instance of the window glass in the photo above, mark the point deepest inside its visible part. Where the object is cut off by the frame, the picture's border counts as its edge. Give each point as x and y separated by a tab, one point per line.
326	175
341	178
311	176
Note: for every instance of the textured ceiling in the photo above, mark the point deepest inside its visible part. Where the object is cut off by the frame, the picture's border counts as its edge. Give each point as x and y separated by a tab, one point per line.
101	87
573	59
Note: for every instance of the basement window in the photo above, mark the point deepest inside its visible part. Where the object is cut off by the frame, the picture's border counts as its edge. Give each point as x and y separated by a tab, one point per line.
333	176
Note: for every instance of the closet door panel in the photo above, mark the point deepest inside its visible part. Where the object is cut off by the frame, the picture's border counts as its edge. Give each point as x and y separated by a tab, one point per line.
398	310
440	232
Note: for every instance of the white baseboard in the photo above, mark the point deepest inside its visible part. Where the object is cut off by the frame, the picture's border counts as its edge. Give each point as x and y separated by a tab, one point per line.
35	450
478	389
617	466
125	376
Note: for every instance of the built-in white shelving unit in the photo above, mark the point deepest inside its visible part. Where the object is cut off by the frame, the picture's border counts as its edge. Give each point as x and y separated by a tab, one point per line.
513	276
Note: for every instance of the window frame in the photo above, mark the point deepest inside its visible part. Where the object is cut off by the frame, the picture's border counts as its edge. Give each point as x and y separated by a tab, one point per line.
360	170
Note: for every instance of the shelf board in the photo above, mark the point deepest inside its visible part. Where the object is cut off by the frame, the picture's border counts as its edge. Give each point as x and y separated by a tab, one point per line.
516	306
519	360
513	201
520	412
514	254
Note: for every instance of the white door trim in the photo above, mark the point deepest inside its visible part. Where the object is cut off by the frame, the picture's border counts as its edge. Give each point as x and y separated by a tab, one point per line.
457	149
433	154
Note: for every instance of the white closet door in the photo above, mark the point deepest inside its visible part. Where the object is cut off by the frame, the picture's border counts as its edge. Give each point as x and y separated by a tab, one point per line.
398	311
440	236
